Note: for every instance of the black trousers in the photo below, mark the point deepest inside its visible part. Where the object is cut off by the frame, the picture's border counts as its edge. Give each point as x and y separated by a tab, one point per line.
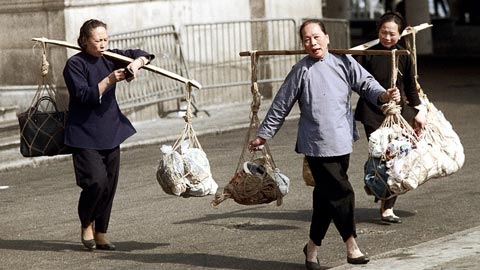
333	198
96	172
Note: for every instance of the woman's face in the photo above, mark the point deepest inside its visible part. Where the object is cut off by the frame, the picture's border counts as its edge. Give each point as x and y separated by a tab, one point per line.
97	43
388	34
314	40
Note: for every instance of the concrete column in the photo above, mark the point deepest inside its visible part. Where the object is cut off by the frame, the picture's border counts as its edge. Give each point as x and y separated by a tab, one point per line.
20	21
338	9
260	39
416	12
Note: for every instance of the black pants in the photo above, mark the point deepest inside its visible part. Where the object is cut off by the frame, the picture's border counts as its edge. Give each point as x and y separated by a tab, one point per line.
96	172
389	203
333	198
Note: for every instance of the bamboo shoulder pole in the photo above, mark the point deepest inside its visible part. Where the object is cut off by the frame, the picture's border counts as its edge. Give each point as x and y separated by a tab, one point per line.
334	51
148	67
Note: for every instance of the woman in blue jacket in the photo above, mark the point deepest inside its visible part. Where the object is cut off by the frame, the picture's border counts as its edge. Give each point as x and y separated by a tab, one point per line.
96	127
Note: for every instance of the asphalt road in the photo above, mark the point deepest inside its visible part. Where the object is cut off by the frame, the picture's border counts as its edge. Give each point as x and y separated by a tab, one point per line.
39	227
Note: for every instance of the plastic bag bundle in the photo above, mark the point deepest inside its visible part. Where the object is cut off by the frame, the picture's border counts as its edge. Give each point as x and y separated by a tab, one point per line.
256	183
440	132
184	169
400	161
185	173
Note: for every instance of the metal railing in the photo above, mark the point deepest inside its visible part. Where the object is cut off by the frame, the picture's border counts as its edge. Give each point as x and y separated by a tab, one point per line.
150	88
211	56
213	59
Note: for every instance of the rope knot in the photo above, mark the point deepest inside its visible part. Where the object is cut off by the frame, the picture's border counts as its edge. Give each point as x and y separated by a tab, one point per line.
45	65
391	109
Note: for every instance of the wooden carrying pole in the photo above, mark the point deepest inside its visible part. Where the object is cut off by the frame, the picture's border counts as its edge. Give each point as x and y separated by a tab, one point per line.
117	56
334	51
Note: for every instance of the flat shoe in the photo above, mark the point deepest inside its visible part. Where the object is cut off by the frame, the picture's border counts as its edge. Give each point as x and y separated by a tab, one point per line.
89	244
310	265
360	260
391	219
106	246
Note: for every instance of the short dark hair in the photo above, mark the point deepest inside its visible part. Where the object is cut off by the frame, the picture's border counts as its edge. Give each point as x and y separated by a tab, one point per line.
392	17
310	21
86	31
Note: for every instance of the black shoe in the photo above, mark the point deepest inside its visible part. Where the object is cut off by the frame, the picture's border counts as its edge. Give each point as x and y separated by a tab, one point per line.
310	265
391	219
89	244
360	260
108	246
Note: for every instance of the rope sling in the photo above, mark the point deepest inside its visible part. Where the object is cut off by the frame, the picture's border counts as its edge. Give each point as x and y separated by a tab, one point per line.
184	169
42	125
249	188
391	141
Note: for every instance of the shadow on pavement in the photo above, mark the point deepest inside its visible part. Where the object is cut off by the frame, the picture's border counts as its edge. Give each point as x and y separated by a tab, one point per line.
43	245
209	261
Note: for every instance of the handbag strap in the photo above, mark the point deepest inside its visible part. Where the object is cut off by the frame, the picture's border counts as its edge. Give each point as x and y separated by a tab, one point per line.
34	109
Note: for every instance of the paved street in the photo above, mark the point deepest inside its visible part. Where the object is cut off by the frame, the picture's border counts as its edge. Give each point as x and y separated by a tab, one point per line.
39	227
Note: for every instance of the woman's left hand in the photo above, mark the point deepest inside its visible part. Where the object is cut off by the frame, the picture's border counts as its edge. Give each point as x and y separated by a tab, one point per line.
420	120
135	66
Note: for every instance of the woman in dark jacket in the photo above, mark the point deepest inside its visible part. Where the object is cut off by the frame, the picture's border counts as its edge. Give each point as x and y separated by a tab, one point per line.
96	127
390	26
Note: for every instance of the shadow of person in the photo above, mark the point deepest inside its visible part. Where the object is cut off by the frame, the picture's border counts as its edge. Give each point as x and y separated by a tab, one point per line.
209	261
60	246
372	215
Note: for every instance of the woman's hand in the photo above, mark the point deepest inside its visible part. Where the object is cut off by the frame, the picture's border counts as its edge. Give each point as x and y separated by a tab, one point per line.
420	120
390	94
135	66
255	145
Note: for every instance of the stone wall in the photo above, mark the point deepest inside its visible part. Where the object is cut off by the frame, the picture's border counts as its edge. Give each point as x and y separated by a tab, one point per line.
21	20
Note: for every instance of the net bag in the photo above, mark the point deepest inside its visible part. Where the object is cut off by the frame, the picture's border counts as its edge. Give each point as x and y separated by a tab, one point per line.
184	169
42	125
256	179
399	160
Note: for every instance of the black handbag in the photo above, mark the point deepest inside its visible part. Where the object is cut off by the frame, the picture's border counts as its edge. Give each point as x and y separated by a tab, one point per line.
42	133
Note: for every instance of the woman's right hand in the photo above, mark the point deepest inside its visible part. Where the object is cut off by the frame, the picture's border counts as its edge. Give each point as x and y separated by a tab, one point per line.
256	144
391	94
117	75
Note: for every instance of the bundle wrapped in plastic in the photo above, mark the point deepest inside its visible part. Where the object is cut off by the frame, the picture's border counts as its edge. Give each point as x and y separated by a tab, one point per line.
440	132
403	160
185	173
399	163
257	182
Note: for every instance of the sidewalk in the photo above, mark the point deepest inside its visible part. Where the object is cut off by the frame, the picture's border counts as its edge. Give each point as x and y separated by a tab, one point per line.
453	252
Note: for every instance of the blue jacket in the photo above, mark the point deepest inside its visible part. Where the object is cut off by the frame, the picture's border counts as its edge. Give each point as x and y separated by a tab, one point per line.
94	122
323	90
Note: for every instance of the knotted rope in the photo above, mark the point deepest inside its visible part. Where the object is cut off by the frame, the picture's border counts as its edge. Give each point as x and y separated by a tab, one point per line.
44	88
254	120
392	110
188	131
412	47
245	188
